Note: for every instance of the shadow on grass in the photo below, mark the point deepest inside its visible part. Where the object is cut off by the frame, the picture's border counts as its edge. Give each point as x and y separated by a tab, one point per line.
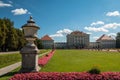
9	74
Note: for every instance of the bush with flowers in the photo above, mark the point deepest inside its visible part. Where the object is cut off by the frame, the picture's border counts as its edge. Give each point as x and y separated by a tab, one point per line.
67	76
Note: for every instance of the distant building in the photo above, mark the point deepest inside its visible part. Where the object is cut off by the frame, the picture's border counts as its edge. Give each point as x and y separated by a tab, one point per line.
106	42
77	39
60	45
93	45
47	42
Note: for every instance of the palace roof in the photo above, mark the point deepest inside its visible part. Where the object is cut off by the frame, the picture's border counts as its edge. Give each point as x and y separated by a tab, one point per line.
105	37
46	37
78	32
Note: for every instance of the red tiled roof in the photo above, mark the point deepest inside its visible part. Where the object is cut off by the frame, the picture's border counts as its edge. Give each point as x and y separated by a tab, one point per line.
105	37
46	37
78	32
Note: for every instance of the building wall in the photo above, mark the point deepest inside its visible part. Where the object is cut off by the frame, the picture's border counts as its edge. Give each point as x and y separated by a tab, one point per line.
47	44
60	45
77	41
93	45
107	44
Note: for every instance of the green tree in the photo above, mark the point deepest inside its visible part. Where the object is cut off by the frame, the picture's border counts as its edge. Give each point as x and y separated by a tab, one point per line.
3	34
21	39
118	40
13	40
9	24
38	43
10	37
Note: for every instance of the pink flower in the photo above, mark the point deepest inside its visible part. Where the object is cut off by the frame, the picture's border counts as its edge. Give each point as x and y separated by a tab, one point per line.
44	60
67	76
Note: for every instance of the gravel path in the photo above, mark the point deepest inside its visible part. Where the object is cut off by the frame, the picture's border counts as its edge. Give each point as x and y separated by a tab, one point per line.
12	52
9	68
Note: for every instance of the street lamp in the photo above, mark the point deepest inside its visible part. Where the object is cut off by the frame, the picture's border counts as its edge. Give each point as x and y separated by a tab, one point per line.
30	51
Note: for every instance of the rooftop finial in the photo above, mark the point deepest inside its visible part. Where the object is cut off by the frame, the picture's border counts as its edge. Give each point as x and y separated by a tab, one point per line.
31	20
30	17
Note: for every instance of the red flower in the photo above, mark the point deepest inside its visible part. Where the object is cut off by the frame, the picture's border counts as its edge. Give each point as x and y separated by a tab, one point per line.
44	60
67	76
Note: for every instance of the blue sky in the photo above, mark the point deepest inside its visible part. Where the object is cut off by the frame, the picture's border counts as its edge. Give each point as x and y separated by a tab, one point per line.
57	18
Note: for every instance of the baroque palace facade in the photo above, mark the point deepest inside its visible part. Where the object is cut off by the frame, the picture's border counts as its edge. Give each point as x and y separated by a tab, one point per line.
79	40
103	42
47	42
75	39
106	42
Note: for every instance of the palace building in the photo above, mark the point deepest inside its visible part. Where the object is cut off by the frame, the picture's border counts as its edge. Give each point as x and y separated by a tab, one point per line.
47	42
106	42
60	45
77	39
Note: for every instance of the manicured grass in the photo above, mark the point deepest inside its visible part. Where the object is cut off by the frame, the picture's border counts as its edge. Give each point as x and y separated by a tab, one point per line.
82	60
8	59
43	51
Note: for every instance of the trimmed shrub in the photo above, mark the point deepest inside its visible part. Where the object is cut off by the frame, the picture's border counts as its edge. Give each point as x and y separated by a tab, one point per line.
94	70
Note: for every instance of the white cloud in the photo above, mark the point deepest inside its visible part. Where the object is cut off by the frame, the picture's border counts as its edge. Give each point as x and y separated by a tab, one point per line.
20	11
112	34
114	13
29	13
56	35
96	29
103	28
100	29
111	25
61	33
2	4
95	37
88	32
97	23
64	31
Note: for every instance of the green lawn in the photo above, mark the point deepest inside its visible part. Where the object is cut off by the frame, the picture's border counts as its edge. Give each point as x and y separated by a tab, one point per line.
8	59
82	60
43	51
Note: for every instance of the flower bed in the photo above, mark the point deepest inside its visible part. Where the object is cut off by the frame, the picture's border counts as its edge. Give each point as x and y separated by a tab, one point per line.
67	76
42	61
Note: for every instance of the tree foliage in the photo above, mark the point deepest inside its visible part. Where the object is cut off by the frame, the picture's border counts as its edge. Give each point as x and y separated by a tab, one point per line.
118	40
10	37
3	35
38	43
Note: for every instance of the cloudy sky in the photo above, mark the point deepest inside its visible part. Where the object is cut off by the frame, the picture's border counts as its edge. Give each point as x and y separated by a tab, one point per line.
57	18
